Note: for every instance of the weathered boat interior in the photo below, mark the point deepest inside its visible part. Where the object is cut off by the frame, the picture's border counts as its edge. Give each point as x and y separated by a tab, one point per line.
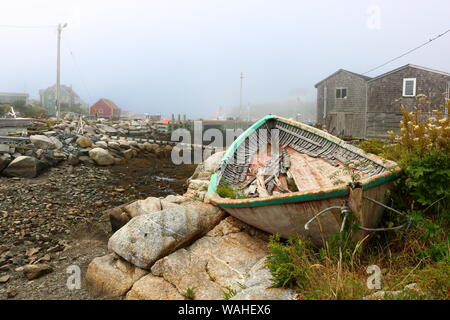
281	157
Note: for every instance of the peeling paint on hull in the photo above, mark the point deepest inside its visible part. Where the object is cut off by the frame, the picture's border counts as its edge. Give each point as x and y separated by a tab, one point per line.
289	219
286	214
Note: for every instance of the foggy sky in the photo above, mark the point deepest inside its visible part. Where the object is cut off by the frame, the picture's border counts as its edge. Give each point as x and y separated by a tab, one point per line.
186	56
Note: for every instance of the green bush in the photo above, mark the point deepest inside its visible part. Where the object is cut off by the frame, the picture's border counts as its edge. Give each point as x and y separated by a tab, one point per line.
427	177
226	191
289	263
374	146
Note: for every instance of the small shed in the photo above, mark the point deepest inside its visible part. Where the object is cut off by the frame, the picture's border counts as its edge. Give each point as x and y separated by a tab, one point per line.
104	108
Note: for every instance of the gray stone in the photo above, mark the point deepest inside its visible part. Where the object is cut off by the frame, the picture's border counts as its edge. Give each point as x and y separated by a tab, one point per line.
208	167
101	144
4	148
103	128
34	271
110	276
128	154
222	259
147	238
114	145
84	142
101	156
258	286
44	142
5	159
120	216
5	278
150	287
145	206
176	199
58	144
73	160
25	167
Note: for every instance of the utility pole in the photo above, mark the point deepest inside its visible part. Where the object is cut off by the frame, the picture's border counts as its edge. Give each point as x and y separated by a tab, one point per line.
58	70
240	103
240	100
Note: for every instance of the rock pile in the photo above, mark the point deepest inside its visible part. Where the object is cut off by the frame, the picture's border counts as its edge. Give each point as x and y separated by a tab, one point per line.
182	248
62	143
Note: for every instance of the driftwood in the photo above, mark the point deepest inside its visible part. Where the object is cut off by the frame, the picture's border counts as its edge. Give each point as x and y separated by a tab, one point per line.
261	186
266	181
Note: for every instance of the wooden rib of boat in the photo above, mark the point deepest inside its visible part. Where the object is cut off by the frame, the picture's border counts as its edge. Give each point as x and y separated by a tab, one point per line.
285	173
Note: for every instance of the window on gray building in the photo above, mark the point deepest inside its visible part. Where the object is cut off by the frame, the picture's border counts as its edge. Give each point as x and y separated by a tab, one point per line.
409	87
341	93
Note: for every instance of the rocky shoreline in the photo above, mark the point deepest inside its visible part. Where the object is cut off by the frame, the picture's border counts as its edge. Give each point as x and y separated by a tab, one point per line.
182	248
133	246
58	219
66	142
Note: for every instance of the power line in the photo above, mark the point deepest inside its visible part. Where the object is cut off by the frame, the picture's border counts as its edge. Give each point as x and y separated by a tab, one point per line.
408	52
26	27
80	74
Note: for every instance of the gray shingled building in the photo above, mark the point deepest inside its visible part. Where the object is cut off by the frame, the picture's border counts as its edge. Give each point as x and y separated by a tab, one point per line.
352	105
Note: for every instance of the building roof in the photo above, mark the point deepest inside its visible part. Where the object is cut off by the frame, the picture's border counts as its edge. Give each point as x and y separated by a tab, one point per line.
12	94
343	70
109	103
63	87
409	66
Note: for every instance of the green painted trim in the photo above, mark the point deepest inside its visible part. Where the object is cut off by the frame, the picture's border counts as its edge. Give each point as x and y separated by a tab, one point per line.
314	196
212	188
340	191
233	147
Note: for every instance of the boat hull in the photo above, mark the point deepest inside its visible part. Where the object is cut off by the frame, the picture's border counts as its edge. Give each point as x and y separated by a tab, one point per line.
289	219
313	171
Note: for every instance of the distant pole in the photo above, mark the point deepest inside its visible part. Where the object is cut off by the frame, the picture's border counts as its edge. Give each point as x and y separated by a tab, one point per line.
240	101
58	71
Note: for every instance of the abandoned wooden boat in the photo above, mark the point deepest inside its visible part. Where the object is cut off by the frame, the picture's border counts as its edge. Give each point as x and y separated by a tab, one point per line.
285	177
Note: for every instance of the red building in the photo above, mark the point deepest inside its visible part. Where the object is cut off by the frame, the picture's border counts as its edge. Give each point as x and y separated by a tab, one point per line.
104	108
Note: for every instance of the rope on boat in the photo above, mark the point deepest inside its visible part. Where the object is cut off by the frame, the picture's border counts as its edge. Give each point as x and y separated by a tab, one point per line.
319	214
383	205
405	226
345	210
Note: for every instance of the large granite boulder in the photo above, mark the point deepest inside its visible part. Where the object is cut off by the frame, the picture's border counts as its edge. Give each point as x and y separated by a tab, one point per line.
149	237
120	216
101	156
215	263
150	287
24	167
110	276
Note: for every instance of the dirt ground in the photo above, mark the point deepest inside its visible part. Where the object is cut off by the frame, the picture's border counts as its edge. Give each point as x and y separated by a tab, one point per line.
57	219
